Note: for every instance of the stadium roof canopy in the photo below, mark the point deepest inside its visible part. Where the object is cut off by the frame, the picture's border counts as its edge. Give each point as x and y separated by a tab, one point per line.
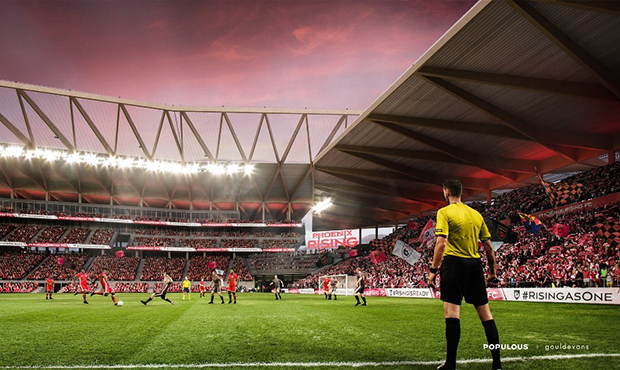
280	143
512	87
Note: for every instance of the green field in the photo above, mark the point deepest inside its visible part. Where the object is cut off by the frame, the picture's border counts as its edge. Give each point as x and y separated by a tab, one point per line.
298	329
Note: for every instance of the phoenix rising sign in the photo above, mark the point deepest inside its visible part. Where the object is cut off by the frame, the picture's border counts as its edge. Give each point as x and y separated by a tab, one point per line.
332	239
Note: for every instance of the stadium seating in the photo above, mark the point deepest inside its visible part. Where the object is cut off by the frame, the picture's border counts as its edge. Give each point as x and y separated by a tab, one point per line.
239	243
124	268
199	243
199	266
76	235
131	287
154	267
532	198
5	230
544	260
51	267
50	235
153	242
241	269
16	265
102	237
281	261
23	233
18	287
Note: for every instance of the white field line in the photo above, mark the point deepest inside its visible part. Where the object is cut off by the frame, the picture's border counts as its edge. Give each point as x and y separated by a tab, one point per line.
315	364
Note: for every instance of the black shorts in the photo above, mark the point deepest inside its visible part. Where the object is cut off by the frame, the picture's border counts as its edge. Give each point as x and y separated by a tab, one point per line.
359	290
185	290
463	278
163	293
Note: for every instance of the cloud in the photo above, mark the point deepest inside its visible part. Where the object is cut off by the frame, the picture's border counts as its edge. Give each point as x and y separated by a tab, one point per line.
319	54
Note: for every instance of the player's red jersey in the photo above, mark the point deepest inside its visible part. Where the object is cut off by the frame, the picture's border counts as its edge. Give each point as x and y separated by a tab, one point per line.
105	285
326	284
83	280
202	286
232	282
50	284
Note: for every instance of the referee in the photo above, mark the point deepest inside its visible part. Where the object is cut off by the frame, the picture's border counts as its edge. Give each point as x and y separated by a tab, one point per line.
458	230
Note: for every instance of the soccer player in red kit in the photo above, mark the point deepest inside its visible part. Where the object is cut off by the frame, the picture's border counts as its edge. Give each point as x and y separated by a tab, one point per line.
203	288
105	285
326	286
232	286
82	276
49	287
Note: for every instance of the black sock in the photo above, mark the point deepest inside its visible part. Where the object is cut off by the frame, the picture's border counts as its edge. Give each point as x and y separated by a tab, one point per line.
279	295
148	300
490	329
357	299
364	299
335	297
167	300
453	334
276	295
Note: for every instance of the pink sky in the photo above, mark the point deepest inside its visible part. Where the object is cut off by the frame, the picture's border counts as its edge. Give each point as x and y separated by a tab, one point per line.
315	54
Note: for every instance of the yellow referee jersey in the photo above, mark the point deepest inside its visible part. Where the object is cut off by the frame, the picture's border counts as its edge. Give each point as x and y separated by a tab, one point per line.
462	226
187	283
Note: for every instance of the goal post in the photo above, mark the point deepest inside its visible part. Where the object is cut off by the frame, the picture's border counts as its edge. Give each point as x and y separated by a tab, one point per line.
346	283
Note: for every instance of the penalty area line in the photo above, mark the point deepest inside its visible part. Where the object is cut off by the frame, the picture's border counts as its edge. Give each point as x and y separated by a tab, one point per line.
315	364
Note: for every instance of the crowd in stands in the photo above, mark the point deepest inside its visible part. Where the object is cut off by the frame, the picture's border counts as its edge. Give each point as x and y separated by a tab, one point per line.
291	234
241	269
199	243
199	266
216	234
147	232
125	216
284	261
582	258
123	268
16	265
154	267
5	229
153	242
23	233
102	237
265	234
239	243
238	234
286	243
52	267
131	287
50	235
176	233
76	235
18	287
532	198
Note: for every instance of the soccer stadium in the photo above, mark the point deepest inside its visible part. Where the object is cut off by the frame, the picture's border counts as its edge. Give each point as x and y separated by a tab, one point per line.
310	185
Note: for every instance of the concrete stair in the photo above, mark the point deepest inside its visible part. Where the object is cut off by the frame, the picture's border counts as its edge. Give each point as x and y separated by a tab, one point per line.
139	272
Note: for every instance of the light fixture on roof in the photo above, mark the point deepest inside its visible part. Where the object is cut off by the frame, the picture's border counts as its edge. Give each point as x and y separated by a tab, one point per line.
322	206
123	162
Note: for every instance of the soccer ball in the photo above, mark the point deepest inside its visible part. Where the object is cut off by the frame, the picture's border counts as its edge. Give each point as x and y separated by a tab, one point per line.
120	303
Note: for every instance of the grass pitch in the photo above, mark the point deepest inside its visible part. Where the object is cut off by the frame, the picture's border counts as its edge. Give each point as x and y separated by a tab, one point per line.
298	329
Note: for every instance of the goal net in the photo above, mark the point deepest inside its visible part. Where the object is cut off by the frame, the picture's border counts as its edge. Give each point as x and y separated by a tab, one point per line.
345	284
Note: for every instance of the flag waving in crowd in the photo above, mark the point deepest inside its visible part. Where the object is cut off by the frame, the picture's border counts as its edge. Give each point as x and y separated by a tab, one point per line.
500	233
531	223
561	230
406	252
560	194
427	237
